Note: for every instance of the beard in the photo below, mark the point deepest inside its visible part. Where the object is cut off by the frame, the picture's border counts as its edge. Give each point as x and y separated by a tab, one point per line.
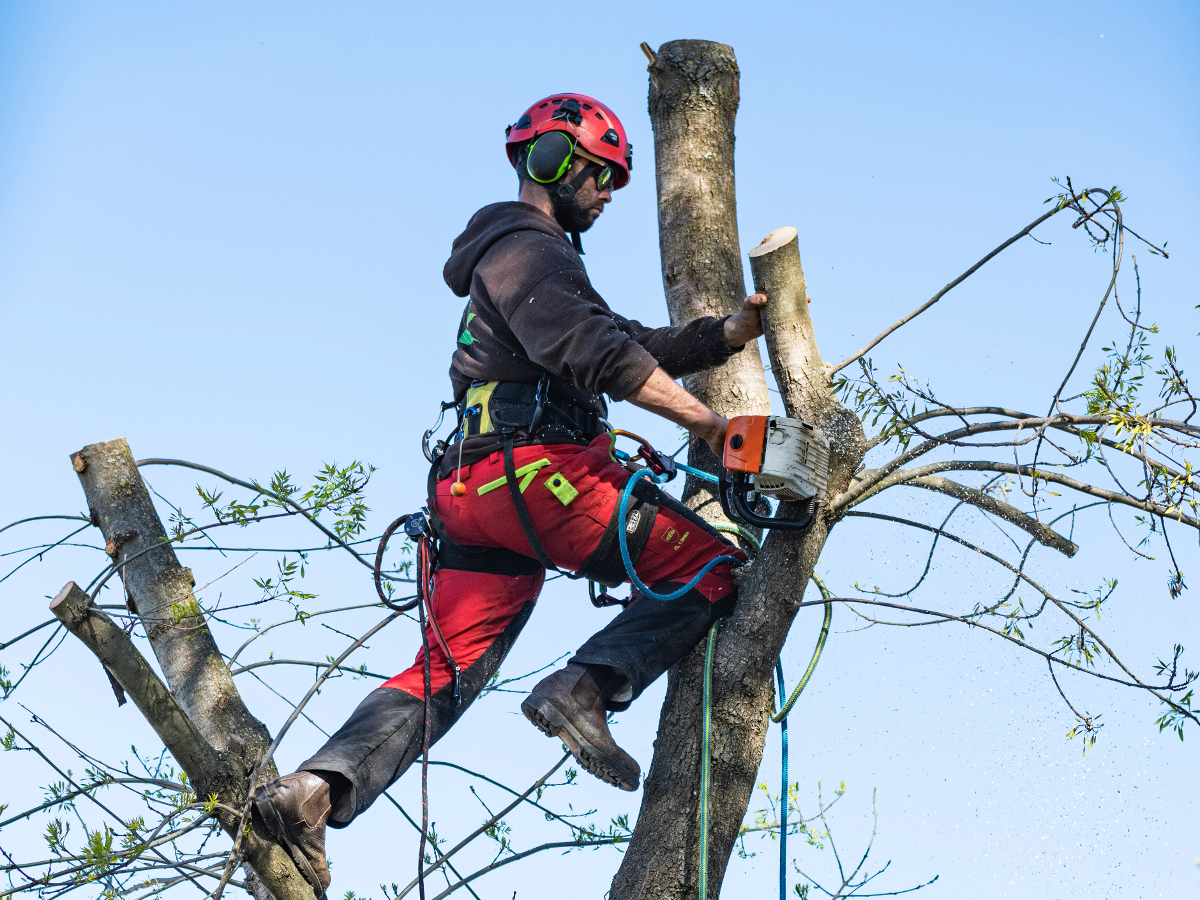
569	214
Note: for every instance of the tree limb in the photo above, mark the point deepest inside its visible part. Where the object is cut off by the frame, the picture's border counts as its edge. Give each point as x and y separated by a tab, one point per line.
555	845
989	504
113	647
1137	683
903	476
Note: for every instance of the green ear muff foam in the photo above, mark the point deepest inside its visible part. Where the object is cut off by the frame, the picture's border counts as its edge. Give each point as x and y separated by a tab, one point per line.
549	157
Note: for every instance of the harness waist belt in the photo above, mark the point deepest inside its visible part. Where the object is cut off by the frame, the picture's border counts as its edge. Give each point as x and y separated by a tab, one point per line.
526	410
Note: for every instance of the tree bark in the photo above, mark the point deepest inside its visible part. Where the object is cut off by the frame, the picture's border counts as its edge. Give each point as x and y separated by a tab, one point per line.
693	99
113	647
202	719
161	593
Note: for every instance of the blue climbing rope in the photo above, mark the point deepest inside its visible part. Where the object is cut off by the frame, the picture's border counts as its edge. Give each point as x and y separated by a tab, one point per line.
783	793
781	718
625	558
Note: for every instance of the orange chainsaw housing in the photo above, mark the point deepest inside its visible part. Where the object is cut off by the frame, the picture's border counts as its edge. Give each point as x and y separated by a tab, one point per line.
744	444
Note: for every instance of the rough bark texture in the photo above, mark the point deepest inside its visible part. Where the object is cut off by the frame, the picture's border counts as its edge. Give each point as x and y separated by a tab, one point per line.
693	99
693	102
161	592
202	692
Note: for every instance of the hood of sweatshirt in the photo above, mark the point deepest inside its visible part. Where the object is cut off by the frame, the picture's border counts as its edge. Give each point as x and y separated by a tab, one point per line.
486	227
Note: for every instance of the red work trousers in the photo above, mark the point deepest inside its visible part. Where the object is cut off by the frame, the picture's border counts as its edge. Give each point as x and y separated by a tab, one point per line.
473	608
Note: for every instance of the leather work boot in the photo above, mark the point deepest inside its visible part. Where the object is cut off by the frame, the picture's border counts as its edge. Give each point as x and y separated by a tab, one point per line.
569	705
294	810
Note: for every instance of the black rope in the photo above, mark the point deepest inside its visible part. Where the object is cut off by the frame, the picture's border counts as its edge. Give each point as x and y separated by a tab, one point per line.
383	542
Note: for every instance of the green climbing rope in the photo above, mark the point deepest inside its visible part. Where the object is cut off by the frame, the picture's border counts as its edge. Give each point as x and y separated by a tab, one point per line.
706	760
779	717
812	663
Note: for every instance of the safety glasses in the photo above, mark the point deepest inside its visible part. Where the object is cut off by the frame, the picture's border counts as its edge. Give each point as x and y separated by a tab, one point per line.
604	173
604	178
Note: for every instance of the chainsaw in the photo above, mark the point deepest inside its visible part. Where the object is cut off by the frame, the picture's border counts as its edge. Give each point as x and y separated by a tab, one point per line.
775	457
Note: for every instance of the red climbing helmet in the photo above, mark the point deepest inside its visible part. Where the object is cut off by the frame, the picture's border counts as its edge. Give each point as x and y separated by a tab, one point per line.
592	125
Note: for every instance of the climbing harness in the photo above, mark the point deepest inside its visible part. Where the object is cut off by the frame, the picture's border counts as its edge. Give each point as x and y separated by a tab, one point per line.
780	457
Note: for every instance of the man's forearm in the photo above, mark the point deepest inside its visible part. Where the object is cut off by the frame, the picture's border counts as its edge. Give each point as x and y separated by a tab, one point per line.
659	394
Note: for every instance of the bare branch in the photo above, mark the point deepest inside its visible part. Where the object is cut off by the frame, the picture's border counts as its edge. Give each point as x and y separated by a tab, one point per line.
556	845
1045	593
488	824
1153	689
302	662
41	518
1063	422
989	504
953	284
330	669
903	476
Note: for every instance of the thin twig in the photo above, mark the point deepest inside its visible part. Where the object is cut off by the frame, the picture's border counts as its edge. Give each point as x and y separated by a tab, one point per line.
953	284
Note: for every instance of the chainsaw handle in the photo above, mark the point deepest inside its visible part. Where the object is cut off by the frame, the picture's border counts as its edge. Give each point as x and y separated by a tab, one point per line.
733	501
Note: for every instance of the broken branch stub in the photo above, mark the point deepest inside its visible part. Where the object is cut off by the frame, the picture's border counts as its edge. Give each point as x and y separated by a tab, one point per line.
792	346
202	718
800	373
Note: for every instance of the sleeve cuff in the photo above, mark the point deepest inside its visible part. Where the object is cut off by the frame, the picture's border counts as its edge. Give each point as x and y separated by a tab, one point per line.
729	348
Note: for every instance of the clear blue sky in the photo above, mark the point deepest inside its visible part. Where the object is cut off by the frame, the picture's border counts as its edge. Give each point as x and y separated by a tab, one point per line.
222	228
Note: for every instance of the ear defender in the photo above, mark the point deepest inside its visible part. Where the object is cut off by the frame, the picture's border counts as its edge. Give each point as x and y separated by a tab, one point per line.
549	157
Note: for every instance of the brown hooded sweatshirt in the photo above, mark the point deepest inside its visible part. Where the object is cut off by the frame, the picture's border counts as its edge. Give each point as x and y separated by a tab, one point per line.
534	311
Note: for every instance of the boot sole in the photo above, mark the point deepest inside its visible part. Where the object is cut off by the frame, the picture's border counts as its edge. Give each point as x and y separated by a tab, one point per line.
547	719
274	823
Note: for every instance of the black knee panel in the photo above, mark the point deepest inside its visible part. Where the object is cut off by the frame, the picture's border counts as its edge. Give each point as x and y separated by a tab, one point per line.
650	636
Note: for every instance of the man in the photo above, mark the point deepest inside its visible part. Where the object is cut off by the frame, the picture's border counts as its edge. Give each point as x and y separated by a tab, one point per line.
530	482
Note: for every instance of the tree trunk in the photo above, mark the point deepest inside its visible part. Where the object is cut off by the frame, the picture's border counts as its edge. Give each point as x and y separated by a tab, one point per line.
202	694
160	590
693	99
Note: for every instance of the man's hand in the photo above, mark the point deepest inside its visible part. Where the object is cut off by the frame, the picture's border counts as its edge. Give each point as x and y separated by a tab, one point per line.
746	326
715	435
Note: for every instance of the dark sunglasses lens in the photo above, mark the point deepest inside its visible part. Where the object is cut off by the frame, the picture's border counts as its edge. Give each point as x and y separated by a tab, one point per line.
604	178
